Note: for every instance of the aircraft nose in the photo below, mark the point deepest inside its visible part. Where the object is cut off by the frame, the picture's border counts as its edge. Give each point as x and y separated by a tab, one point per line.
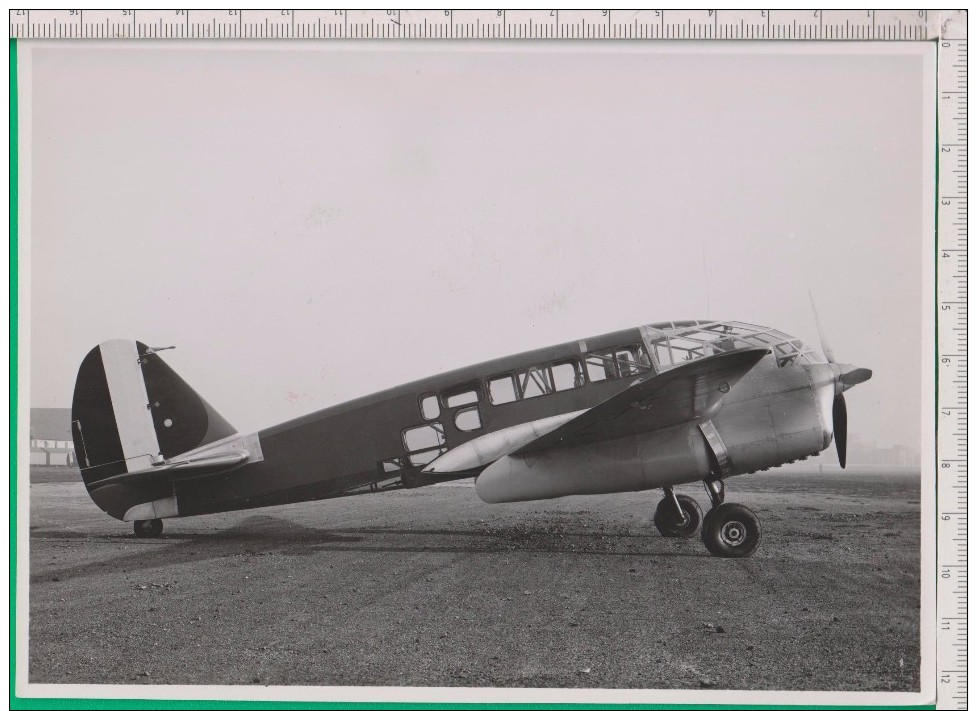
850	376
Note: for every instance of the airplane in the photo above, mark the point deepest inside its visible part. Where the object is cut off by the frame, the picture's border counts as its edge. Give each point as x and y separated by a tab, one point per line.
644	408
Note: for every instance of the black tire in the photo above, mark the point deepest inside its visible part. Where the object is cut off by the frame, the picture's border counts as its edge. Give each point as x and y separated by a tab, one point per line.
668	523
153	528
731	531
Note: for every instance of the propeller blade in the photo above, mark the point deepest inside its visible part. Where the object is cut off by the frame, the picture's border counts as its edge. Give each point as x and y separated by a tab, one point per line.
829	354
850	377
839	413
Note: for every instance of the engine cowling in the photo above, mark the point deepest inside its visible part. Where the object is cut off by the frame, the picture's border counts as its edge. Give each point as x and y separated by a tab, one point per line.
647	461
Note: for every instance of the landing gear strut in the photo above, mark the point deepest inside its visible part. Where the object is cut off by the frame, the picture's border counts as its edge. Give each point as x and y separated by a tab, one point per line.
716	488
729	530
153	528
677	516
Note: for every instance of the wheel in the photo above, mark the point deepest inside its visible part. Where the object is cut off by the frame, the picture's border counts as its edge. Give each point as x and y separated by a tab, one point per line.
152	528
731	531
667	521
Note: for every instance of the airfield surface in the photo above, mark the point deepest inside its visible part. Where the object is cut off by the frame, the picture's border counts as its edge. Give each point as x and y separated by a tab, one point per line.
431	587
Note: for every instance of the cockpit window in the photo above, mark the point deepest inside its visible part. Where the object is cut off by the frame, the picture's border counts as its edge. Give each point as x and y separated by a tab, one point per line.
673	343
617	363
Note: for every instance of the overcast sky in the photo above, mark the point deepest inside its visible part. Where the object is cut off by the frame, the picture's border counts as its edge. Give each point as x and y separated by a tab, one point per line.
312	224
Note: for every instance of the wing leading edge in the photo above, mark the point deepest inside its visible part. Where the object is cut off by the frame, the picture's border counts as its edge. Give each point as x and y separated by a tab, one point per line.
688	392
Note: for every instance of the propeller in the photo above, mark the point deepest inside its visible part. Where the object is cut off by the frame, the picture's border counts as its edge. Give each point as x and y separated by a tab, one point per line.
846	377
839	414
829	354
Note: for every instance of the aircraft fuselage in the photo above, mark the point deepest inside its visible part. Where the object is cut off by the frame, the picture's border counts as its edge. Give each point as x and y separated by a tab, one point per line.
773	415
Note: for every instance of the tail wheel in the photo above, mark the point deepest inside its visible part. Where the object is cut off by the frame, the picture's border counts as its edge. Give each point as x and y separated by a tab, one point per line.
669	524
731	531
152	528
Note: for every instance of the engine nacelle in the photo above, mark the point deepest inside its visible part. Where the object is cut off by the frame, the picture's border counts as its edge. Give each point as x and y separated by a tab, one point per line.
647	461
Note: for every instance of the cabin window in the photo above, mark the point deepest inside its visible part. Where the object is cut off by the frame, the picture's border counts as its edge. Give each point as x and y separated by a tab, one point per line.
632	361
423	437
601	366
502	390
566	376
535	382
468	419
598	368
390	466
421	458
625	363
463	395
430	409
619	363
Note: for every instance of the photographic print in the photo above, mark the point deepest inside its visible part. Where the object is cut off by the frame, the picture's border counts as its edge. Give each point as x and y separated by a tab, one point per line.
476	371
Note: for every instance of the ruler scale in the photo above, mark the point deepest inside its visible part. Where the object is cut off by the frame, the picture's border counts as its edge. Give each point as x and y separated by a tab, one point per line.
853	25
952	488
945	28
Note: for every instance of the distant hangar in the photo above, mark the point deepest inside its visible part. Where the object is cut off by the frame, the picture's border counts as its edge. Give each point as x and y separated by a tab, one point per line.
51	443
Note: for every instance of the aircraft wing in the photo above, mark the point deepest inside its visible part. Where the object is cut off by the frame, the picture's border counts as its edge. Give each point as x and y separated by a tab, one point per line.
687	392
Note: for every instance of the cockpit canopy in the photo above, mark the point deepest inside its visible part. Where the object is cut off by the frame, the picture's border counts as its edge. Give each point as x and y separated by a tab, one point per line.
673	343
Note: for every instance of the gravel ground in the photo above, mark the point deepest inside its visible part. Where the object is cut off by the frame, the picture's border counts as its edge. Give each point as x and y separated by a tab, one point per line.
431	587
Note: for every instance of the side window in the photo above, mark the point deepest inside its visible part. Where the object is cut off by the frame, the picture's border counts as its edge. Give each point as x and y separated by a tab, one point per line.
463	395
685	349
566	376
600	367
468	419
390	466
538	380
787	352
625	363
426	457
502	390
641	360
430	409
663	353
423	437
620	363
535	382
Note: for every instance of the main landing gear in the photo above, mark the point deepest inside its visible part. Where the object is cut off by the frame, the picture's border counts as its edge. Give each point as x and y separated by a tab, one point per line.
153	528
728	530
677	516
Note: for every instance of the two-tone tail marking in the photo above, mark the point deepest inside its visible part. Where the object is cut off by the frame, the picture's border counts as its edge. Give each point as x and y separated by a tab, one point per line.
127	390
134	419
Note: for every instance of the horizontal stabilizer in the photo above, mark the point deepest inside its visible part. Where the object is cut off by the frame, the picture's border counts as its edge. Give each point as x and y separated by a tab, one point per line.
190	468
688	392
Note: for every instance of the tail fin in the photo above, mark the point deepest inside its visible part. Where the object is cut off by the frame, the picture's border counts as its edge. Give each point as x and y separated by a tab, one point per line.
131	410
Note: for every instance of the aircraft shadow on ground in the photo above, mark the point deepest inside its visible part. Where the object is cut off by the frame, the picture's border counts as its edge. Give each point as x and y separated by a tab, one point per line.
264	535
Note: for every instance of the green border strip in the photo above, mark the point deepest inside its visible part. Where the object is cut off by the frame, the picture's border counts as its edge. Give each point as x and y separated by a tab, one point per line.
101	703
14	199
